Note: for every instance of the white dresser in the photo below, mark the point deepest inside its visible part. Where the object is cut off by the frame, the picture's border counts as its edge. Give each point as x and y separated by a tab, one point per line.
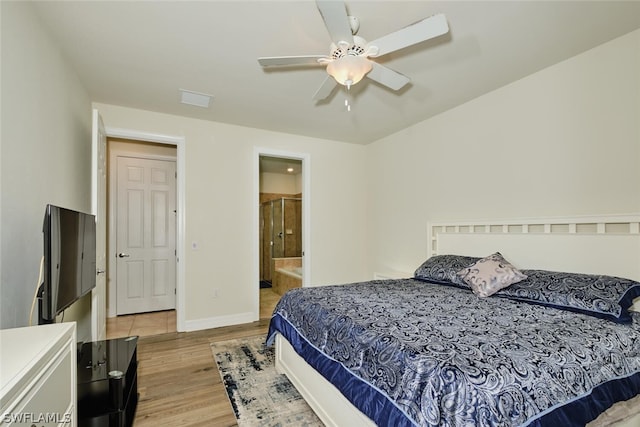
38	376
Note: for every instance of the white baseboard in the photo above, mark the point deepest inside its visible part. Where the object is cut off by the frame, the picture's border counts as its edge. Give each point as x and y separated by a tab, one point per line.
219	321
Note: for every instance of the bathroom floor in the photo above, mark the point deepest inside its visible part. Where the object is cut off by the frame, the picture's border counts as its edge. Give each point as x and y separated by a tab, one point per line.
268	300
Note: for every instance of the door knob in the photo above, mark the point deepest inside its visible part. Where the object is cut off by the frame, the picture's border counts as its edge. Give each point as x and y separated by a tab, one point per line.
123	255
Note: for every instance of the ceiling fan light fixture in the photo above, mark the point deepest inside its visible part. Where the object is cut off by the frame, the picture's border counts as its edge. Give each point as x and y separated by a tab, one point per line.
349	69
347	62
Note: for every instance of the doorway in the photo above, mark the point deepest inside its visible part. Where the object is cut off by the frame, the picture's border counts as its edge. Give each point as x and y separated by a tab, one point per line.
143	227
282	215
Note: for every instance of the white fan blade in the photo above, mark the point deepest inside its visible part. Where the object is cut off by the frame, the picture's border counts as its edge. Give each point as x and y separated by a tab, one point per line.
282	61
334	14
426	29
325	89
386	76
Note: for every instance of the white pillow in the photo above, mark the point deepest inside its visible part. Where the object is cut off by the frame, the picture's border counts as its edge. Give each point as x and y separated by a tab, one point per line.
490	274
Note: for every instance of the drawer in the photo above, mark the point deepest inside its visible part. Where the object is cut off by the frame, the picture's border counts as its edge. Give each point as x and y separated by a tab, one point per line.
49	402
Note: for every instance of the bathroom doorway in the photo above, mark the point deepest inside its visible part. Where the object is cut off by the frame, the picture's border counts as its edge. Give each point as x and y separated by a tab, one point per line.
280	239
281	210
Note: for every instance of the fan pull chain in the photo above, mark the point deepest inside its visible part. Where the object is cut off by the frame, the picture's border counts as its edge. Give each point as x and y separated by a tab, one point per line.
346	100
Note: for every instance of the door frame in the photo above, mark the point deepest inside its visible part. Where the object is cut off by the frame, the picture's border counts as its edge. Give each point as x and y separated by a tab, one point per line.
180	143
99	209
305	158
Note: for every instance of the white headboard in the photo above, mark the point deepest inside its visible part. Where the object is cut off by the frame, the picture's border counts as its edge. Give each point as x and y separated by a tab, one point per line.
596	245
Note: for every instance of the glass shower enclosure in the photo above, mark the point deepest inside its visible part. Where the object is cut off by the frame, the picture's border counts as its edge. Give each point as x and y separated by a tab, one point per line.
281	232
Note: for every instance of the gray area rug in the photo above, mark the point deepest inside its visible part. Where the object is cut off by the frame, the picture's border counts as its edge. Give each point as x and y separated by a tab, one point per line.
259	395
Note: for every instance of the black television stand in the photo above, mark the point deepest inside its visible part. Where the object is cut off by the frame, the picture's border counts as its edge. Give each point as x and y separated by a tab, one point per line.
108	382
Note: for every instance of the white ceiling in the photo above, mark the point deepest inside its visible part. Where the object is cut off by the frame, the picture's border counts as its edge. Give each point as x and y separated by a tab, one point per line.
140	53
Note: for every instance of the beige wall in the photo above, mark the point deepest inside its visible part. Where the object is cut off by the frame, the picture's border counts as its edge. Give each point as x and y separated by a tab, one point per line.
219	210
140	147
279	183
563	141
46	156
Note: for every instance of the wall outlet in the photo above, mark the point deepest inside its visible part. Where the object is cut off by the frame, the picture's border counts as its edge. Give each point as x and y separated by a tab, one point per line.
214	292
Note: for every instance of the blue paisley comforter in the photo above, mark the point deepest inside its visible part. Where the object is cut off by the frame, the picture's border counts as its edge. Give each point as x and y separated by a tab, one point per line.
407	352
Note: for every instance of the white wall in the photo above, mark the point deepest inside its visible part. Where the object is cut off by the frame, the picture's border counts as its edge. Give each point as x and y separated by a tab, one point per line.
46	155
219	210
299	184
279	183
564	141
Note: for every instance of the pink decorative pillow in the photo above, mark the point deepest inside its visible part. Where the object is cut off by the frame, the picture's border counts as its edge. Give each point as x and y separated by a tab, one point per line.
490	274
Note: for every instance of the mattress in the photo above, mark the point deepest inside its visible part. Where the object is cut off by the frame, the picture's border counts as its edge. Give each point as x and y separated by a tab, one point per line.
409	352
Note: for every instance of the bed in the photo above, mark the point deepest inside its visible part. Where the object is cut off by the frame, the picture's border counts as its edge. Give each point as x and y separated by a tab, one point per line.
427	350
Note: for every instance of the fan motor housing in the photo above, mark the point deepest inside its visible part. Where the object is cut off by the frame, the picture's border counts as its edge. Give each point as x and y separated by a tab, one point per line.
356	49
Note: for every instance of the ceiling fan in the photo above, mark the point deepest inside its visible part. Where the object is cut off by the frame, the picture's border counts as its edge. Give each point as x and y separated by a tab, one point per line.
348	61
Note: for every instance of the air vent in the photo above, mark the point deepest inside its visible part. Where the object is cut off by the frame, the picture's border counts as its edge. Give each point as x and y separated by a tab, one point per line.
195	98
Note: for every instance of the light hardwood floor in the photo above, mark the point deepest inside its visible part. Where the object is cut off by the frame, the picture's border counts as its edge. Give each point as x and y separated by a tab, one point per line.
178	380
142	325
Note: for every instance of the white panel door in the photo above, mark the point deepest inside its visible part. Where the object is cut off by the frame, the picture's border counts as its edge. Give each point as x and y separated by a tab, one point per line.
99	209
146	235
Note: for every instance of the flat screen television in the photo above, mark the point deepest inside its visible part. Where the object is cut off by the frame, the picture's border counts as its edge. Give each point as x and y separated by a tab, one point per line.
69	260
